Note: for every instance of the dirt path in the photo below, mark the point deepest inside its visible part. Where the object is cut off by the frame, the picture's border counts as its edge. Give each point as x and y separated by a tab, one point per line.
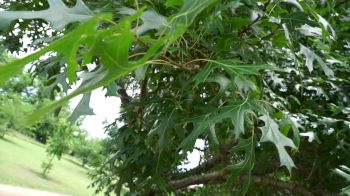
9	190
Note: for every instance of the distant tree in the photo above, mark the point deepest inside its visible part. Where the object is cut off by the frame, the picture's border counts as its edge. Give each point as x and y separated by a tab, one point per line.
88	150
58	144
11	107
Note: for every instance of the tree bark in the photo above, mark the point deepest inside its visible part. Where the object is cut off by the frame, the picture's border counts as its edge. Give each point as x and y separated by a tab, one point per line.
222	175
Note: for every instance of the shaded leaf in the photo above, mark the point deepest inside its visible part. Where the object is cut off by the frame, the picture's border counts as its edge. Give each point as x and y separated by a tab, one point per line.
236	111
140	73
223	81
59	79
112	90
162	127
82	109
295	3
232	67
271	133
246	165
295	126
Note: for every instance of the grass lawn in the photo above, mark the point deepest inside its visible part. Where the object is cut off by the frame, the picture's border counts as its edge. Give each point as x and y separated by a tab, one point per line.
20	165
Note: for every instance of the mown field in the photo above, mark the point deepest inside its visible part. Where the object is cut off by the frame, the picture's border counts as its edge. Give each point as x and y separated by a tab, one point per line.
20	165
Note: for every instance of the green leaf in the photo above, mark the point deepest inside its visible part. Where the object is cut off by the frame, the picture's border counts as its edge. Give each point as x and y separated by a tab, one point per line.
326	26
189	12
293	123
62	16
247	146
111	45
271	133
294	20
344	172
295	3
59	79
102	43
287	34
162	127
232	67
68	46
151	20
311	57
112	89
174	3
223	81
82	109
239	23
236	111
244	85
276	80
308	30
140	73
235	69
212	135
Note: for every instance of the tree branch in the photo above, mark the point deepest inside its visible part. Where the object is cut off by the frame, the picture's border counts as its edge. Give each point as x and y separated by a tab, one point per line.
247	28
222	175
143	94
124	97
211	163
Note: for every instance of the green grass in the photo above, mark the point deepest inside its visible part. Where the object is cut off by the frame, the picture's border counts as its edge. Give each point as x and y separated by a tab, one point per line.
20	165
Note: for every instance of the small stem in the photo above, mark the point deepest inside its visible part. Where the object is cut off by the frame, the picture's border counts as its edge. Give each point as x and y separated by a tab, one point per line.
138	19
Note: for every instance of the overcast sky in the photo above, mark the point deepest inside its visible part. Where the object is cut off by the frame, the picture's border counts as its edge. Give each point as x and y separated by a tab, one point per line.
104	109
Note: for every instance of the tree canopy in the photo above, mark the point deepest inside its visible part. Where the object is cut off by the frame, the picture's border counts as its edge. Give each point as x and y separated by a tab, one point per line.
258	89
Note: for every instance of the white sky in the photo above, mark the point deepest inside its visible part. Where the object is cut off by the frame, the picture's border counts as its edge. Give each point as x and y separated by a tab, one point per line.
104	109
194	156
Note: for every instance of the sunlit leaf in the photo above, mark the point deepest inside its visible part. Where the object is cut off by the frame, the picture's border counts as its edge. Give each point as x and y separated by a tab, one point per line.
244	84
173	3
311	57
62	16
344	172
295	3
150	20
